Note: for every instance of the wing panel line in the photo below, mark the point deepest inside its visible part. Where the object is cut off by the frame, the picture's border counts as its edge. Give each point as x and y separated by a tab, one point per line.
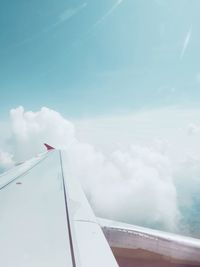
67	214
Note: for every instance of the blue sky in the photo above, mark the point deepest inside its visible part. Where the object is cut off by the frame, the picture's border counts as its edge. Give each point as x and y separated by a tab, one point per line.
88	58
96	63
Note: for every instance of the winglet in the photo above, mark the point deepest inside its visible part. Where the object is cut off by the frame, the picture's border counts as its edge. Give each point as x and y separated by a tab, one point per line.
48	147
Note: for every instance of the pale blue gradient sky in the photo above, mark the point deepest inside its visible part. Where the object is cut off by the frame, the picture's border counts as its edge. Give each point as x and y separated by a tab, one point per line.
86	58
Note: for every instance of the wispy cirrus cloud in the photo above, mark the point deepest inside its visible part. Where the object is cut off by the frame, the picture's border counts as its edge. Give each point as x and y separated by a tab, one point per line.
108	13
69	13
186	42
62	17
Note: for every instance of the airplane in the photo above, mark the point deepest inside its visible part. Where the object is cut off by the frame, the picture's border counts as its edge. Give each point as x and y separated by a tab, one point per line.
47	221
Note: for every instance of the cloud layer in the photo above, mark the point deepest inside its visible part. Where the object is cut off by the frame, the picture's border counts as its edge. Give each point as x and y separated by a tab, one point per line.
135	184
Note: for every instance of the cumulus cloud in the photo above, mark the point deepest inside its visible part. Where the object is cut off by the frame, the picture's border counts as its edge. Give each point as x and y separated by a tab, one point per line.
30	129
150	178
140	178
139	181
6	160
133	184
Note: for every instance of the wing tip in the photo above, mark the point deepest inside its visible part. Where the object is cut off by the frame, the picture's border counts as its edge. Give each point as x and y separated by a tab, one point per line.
48	147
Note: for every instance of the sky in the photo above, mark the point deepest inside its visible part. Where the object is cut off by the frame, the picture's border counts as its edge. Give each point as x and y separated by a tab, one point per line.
88	58
117	84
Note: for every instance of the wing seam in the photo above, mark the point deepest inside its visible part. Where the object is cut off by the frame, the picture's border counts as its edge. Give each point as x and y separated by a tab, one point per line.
67	214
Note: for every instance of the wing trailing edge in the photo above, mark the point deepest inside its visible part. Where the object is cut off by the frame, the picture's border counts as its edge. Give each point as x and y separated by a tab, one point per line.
138	246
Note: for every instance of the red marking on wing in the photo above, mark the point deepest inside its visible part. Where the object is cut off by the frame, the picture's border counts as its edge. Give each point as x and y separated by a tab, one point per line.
48	147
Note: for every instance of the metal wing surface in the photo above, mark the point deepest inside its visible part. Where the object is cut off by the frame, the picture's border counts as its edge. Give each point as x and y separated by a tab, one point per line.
45	219
138	246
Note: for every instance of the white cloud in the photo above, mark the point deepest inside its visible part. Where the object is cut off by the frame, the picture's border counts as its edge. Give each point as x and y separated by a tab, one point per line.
125	164
145	128
186	43
193	129
31	129
6	160
133	185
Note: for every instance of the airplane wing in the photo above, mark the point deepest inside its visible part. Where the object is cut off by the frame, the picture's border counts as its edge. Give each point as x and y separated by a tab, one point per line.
46	220
138	246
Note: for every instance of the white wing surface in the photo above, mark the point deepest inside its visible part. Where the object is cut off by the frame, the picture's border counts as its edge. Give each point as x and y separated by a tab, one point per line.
45	219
